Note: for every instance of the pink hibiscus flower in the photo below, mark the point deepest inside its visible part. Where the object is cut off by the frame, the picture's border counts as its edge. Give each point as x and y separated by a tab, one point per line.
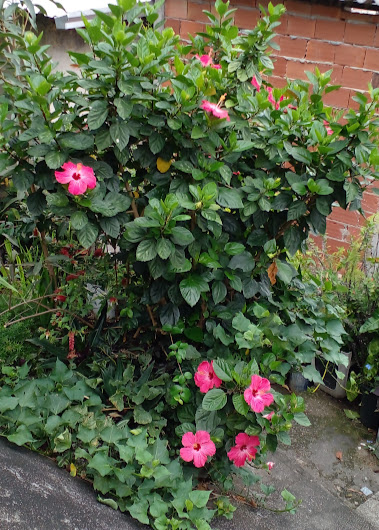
255	84
270	465
206	60
256	395
245	449
77	176
328	129
269	416
197	447
270	97
214	108
205	377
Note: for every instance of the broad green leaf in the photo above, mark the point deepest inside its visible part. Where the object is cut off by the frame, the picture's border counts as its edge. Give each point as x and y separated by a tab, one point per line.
98	114
21	436
301	419
87	235
192	287
222	370
146	250
214	399
219	291
79	220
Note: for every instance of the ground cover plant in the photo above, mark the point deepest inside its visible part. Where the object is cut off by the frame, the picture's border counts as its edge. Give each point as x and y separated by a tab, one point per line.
164	185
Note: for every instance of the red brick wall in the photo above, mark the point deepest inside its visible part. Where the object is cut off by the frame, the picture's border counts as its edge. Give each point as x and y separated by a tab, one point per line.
310	35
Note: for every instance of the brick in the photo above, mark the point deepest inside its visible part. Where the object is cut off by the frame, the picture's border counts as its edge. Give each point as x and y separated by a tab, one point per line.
174	24
175	9
195	11
277	82
353	104
376	40
283	28
348	55
358	17
345	216
280	66
246	18
370	203
296	70
292	47
298	6
334	244
338	98
362	34
247	3
355	78
320	51
325	11
301	27
372	59
187	26
333	30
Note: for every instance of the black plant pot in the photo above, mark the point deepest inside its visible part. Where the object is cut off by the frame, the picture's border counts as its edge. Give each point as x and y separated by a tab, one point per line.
370	404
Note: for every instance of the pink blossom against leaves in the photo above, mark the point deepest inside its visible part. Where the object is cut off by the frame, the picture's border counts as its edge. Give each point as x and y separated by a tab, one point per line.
214	109
255	84
269	416
257	394
205	377
206	60
197	447
245	449
77	176
270	465
328	129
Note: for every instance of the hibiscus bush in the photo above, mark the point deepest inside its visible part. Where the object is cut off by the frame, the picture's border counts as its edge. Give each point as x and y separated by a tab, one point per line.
175	181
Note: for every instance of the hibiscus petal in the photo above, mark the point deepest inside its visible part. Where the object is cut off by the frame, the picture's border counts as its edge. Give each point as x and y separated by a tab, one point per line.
267	399
242	438
186	454
256	403
237	456
77	187
188	439
202	437
199	458
209	448
63	177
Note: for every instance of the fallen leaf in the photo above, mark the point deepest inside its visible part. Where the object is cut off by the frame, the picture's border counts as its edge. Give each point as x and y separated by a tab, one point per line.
339	455
163	165
72	470
272	271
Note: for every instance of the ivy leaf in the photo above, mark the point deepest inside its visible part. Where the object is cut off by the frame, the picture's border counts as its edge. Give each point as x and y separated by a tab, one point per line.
215	399
199	498
101	463
108	502
138	510
22	436
142	416
62	442
8	403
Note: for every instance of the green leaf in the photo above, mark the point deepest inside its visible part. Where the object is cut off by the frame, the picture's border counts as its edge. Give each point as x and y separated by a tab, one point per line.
302	419
215	399
219	291
241	323
243	261
119	132
310	373
156	142
62	442
87	235
98	114
181	236
101	463
229	198
233	249
197	133
240	404
79	220
8	403
199	498
77	141
351	414
55	159
110	205
164	248
138	510
124	108
7	285
296	210
222	370
141	416
191	289
108	502
111	226
146	250
22	436
292	239
285	271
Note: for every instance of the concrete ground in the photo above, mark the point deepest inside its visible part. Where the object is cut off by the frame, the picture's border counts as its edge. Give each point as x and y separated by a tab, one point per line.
36	495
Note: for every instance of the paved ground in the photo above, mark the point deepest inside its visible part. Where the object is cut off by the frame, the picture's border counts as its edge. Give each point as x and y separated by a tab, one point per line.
36	495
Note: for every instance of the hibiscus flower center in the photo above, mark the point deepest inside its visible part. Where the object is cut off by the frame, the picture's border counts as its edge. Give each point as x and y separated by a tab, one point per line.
210	375
196	447
243	447
254	393
76	176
